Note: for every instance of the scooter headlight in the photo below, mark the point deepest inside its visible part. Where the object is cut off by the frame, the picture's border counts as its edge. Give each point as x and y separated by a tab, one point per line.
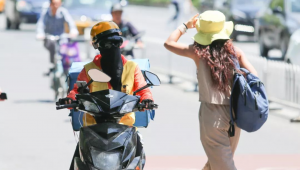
89	106
106	160
128	107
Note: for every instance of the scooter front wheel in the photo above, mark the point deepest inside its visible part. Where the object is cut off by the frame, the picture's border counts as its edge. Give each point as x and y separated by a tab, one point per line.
79	165
143	160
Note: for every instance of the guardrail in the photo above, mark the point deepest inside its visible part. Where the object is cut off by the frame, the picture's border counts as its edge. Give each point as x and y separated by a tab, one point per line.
176	66
282	80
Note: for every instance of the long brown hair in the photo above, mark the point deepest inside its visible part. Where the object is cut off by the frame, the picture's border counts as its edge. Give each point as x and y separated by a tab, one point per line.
220	57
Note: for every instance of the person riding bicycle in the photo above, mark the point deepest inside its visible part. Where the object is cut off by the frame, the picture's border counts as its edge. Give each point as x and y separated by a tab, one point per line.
52	21
125	75
127	29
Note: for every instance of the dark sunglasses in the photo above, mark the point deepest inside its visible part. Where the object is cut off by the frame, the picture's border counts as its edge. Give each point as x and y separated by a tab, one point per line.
108	42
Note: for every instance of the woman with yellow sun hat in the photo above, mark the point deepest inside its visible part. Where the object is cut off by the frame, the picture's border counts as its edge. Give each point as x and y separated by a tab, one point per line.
214	55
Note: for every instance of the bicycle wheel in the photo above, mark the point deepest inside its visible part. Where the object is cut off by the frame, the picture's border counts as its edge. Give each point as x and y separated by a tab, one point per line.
62	89
56	85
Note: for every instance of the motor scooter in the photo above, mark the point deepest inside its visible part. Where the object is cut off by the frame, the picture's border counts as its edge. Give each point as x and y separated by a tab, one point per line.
108	145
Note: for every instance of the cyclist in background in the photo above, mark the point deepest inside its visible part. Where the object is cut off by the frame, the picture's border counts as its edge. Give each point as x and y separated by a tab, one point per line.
52	21
127	29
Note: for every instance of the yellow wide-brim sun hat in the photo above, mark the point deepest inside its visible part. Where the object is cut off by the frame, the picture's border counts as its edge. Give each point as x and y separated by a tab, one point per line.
212	26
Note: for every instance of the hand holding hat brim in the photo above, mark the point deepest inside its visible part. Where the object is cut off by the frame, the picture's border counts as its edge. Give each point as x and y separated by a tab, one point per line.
192	22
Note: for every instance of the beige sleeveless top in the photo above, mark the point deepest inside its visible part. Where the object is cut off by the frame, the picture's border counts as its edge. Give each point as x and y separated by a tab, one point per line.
207	91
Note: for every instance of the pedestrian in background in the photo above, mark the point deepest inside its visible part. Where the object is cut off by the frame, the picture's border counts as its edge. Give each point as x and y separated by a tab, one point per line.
215	57
180	11
177	11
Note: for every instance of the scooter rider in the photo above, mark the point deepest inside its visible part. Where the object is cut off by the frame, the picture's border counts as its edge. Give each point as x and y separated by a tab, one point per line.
127	29
52	21
125	75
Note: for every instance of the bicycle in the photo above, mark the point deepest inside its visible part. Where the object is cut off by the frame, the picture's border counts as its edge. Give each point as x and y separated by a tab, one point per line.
62	63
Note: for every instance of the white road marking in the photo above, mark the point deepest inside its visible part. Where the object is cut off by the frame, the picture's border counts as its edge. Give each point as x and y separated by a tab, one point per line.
265	168
173	169
279	168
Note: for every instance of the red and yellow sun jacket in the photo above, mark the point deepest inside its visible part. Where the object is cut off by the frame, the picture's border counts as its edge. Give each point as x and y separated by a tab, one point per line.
132	78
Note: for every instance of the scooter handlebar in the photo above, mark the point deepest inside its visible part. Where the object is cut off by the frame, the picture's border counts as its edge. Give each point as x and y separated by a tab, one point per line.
151	106
54	37
73	105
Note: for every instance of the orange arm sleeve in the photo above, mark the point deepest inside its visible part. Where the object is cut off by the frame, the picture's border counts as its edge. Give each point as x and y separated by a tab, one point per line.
139	81
81	77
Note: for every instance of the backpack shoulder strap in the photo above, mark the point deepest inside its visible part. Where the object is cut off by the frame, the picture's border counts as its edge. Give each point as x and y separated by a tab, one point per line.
231	130
235	60
245	70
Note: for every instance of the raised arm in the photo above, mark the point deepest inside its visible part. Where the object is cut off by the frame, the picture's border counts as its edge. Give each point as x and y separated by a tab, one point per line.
40	26
71	23
178	48
243	61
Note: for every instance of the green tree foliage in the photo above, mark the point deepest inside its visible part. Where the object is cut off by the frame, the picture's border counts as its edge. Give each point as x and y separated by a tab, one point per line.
150	2
197	3
277	3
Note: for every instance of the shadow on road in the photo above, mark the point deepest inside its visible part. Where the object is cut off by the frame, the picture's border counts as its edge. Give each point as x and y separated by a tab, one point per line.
18	31
34	101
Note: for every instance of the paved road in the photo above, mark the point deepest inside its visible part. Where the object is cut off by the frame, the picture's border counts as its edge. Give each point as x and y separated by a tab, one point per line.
36	136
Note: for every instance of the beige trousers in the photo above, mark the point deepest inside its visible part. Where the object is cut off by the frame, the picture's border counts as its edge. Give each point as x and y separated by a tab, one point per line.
219	148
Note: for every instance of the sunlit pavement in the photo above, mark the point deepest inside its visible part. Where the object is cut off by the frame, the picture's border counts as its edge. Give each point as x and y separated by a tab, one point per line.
242	162
36	136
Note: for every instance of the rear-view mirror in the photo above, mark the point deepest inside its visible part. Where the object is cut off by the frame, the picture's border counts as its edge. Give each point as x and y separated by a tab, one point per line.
98	76
152	78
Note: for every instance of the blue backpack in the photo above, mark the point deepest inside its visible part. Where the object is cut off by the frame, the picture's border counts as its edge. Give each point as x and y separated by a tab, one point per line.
74	71
249	102
142	119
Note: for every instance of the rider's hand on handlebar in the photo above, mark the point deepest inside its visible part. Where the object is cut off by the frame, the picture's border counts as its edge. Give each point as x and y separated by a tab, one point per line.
40	36
140	44
68	101
65	101
73	35
146	102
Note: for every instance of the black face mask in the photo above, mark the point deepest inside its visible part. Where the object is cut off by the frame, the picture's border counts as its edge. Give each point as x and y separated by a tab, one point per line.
112	65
